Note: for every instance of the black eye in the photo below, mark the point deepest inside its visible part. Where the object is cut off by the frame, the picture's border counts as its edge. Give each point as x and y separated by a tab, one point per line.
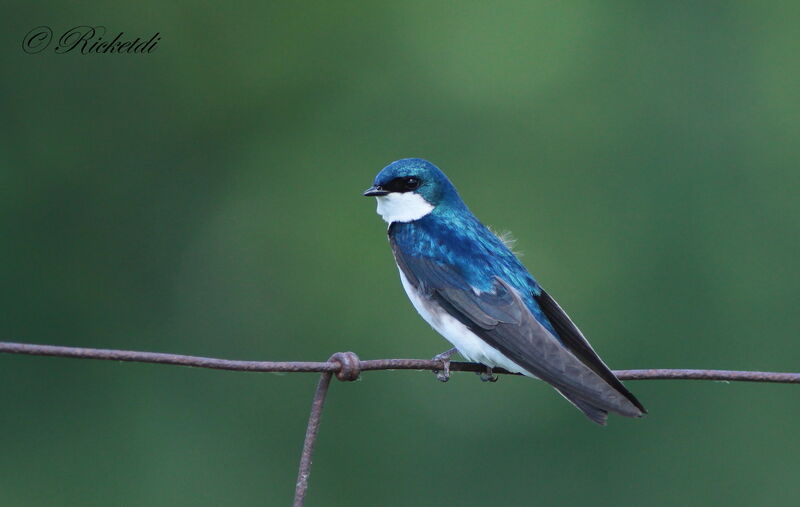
402	184
412	183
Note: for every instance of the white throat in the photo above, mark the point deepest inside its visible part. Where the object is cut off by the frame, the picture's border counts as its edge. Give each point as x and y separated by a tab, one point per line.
403	207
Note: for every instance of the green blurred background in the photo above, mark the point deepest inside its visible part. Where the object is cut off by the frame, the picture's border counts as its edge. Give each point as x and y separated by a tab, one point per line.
205	199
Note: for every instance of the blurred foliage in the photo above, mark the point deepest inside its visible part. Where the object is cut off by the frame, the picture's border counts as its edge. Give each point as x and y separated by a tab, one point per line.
205	199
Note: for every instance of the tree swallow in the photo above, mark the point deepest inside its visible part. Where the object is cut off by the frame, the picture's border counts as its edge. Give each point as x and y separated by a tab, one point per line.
467	284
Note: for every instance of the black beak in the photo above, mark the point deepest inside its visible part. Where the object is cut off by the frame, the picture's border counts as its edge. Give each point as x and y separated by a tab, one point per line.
375	191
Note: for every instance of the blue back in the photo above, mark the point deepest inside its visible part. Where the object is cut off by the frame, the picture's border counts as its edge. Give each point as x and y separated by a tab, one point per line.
451	235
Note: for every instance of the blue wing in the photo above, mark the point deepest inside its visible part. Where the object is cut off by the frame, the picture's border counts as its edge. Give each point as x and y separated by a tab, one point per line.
551	347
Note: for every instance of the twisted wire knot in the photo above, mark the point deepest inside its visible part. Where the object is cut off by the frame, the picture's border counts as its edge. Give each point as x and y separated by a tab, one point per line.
349	366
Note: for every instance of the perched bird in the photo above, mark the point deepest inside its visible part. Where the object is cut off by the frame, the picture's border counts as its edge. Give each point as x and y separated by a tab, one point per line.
468	285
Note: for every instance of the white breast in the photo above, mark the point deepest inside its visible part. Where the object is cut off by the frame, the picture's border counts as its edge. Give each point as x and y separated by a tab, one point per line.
468	343
403	207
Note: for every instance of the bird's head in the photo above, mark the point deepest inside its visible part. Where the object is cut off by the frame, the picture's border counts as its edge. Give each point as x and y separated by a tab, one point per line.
411	188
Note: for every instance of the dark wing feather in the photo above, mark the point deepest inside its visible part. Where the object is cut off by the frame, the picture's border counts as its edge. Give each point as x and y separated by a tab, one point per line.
501	318
573	339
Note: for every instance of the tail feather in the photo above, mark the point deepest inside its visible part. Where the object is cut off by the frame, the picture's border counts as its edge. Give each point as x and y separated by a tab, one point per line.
594	413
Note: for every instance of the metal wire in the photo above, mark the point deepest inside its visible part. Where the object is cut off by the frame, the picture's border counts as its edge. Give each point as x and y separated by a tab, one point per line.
311	438
348	367
335	366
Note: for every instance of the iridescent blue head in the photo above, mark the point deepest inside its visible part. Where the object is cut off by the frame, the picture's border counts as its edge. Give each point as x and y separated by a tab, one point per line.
411	188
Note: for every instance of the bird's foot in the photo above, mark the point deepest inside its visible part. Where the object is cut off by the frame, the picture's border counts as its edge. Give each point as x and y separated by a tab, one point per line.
487	375
443	375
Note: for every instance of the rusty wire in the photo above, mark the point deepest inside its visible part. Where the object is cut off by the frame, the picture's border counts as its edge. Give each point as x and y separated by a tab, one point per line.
336	366
348	367
311	438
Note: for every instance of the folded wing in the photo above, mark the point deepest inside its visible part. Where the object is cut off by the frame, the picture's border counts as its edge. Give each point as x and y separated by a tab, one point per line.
501	318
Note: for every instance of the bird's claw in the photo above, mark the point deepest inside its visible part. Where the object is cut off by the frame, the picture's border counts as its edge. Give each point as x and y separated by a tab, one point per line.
487	375
443	375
